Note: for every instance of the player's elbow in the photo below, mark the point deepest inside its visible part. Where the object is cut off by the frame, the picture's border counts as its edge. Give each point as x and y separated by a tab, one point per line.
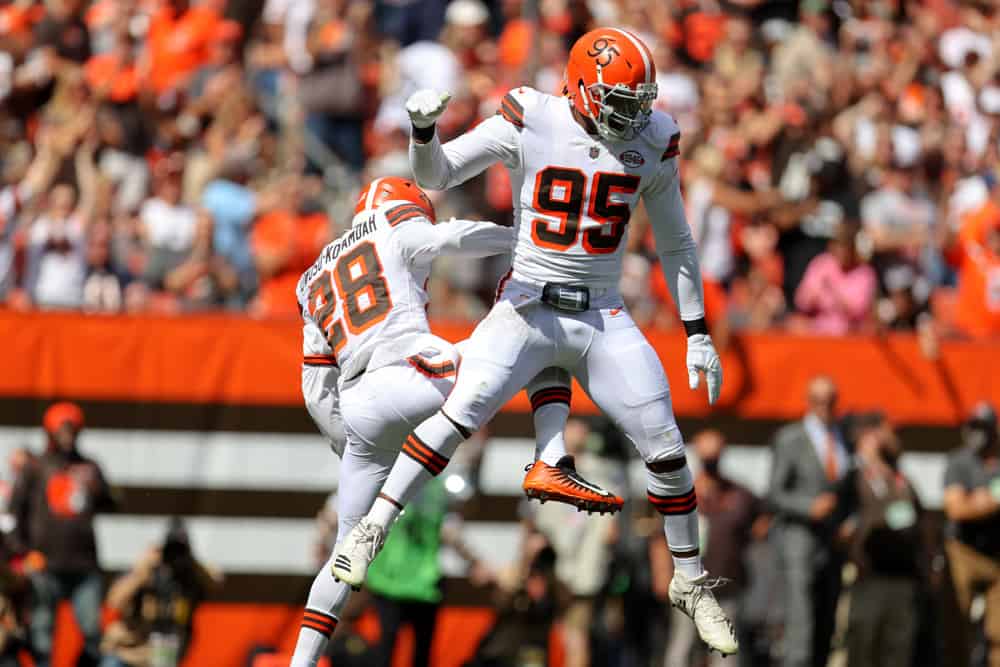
677	246
430	181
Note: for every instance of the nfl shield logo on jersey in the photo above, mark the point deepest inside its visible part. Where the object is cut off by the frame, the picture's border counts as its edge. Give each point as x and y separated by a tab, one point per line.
594	152
632	159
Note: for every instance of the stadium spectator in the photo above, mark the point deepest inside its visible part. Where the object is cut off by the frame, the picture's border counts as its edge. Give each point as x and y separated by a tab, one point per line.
528	598
837	292
56	265
810	463
168	224
202	280
973	512
905	304
156	602
62	35
405	581
977	255
888	550
233	207
102	288
284	242
334	92
899	220
734	517
54	503
179	38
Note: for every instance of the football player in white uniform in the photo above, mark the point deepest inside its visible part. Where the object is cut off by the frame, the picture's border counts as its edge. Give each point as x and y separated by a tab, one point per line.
578	166
371	368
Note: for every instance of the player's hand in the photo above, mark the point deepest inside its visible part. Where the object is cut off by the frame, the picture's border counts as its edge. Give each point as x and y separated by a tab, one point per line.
702	358
426	106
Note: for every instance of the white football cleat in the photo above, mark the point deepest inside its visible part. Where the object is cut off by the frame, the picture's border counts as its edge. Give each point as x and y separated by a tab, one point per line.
694	597
356	552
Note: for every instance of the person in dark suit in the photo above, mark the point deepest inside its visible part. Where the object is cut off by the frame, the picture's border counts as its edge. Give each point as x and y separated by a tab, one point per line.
810	462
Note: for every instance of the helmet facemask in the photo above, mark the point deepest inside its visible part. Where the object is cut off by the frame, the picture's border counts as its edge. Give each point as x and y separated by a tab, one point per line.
621	111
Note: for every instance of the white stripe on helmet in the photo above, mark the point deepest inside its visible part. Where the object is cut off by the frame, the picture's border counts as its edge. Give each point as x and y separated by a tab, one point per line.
372	189
641	48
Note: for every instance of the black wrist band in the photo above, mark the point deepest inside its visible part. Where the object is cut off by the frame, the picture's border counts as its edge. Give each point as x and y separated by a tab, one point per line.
697	326
423	135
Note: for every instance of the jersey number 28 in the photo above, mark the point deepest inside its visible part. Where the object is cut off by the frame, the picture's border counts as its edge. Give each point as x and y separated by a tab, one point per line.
560	192
357	279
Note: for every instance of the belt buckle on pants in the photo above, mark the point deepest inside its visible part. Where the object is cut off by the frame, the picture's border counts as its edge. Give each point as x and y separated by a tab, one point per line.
570	298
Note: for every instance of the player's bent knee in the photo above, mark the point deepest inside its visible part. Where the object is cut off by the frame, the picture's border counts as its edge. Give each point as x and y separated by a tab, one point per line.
660	447
477	396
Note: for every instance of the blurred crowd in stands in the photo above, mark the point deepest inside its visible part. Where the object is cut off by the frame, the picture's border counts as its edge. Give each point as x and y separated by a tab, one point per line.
840	157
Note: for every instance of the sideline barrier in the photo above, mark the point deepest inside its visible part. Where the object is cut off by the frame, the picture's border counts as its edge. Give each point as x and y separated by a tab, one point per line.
219	359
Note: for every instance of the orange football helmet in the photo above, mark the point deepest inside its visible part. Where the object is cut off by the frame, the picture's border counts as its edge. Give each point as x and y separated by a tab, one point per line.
393	188
611	79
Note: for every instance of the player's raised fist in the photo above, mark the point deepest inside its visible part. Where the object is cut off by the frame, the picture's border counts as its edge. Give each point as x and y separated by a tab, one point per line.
426	106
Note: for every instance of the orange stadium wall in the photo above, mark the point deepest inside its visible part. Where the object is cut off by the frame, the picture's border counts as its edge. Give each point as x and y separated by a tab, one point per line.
234	361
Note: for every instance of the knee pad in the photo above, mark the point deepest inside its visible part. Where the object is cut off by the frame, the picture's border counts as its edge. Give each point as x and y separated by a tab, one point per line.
657	444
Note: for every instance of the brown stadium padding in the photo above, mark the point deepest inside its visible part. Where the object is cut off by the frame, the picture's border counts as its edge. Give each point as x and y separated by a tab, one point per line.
226	360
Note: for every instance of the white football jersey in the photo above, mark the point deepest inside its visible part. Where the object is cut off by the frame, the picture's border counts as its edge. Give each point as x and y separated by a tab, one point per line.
573	193
368	286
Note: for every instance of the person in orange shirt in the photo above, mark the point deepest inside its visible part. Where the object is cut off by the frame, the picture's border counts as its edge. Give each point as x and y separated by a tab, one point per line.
114	74
179	41
977	256
284	243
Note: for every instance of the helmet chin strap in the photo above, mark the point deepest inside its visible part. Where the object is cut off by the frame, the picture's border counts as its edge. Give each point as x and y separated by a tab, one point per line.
590	115
602	129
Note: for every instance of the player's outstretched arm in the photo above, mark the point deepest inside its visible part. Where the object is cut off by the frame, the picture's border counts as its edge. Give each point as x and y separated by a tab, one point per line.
468	238
438	167
678	255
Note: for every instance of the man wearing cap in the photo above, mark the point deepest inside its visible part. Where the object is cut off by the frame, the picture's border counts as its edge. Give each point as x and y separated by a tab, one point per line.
972	506
54	502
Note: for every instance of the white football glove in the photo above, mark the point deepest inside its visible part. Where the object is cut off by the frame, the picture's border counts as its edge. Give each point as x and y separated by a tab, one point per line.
425	106
701	356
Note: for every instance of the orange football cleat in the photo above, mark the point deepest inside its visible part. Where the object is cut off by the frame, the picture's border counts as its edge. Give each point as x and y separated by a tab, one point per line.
563	484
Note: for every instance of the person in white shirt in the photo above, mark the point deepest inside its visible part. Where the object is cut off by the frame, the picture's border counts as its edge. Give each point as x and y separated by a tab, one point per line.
56	261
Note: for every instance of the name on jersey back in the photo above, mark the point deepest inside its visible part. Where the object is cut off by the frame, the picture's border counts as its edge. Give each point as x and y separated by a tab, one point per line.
333	250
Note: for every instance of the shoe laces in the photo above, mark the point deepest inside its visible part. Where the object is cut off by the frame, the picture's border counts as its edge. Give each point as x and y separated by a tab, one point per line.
370	538
703	592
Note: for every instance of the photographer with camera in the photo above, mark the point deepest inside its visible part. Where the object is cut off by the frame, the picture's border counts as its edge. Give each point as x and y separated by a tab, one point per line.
157	601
